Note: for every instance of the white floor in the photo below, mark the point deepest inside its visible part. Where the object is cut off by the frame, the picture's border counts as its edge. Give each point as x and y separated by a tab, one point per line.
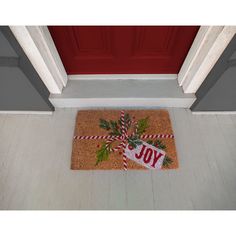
35	167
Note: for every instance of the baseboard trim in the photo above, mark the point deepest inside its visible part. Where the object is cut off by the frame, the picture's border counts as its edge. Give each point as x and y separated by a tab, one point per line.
214	112
123	77
27	112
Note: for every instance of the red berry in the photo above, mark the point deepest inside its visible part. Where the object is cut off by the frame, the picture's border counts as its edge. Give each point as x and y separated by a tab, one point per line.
98	145
120	153
130	147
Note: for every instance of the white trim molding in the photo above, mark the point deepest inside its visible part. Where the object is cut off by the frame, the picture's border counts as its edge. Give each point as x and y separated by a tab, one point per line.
208	45
39	47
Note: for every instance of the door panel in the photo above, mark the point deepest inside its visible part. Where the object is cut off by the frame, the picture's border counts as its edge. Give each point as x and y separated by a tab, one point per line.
89	43
123	49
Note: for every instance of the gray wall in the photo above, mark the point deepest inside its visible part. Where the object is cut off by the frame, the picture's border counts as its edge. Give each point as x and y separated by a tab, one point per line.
21	88
218	91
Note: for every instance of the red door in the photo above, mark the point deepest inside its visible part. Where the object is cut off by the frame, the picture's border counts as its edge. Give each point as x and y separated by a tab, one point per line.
123	49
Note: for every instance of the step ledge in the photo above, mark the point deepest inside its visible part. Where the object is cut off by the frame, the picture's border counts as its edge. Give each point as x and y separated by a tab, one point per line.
122	102
124	77
123	93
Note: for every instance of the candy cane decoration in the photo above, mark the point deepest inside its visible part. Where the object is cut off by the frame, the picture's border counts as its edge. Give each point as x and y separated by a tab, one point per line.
123	137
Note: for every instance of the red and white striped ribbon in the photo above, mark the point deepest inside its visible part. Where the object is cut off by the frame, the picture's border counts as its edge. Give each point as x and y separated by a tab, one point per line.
111	140
125	136
96	137
144	136
124	156
122	118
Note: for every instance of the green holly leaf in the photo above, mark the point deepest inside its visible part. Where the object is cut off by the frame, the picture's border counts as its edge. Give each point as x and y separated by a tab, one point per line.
167	161
142	125
102	154
134	141
150	142
115	128
159	144
127	120
104	124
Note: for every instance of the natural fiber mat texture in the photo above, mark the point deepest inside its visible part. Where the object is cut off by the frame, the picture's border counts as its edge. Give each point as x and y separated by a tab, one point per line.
123	140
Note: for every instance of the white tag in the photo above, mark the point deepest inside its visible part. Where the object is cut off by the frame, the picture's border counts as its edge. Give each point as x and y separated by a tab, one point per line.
146	155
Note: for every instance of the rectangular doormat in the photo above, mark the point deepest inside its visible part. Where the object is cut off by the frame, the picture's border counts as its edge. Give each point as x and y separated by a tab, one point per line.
127	139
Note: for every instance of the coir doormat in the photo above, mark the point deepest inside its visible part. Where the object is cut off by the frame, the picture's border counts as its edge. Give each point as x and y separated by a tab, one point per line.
127	139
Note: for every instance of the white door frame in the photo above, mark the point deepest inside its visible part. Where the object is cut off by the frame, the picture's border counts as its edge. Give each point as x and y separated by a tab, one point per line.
206	49
38	45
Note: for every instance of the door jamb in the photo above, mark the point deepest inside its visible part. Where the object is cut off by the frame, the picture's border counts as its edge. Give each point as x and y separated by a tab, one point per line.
38	45
207	47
